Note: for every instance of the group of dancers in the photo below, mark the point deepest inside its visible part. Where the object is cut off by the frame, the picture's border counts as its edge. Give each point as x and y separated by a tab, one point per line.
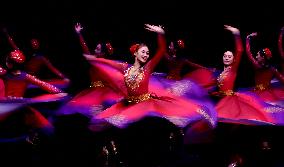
121	94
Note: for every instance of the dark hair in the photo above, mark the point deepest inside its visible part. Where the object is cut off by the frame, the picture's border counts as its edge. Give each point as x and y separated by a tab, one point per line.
178	51
265	53
135	47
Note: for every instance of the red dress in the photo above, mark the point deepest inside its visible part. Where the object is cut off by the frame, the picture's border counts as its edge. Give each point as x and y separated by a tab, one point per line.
37	63
239	107
140	103
99	96
7	105
199	74
15	87
95	99
263	88
263	77
236	107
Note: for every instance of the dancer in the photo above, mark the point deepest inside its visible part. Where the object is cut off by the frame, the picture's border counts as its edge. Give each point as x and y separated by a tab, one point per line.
199	74
139	102
236	107
26	119
100	95
264	73
38	61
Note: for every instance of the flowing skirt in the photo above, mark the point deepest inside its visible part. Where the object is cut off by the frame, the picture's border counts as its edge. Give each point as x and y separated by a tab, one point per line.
91	101
178	111
246	108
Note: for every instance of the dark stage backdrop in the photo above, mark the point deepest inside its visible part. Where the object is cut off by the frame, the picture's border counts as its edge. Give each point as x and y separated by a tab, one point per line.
199	23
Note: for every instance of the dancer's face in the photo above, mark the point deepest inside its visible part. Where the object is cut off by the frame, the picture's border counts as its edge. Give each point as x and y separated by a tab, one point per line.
260	59
142	54
228	58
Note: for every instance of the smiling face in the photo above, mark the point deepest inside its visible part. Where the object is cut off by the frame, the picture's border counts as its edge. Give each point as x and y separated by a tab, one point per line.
142	54
228	58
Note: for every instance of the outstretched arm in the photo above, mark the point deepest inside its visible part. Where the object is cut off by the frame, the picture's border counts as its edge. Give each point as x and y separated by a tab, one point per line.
52	68
85	48
120	66
45	86
248	51
10	39
280	43
238	46
194	65
161	47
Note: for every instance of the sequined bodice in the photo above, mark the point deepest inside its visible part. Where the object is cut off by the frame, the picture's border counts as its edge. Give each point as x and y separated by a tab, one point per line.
136	84
226	79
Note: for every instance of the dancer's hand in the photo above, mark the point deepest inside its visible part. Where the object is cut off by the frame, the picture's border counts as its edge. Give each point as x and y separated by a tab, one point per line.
78	28
158	29
232	29
252	34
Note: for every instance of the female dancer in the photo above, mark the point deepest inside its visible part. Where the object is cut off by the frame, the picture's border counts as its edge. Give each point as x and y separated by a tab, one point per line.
199	74
264	73
34	65
100	95
183	85
26	119
139	102
236	107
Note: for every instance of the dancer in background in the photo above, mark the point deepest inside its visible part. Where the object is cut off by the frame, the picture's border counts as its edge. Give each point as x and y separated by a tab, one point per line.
280	49
101	50
16	82
237	107
176	62
26	120
38	61
100	95
264	73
